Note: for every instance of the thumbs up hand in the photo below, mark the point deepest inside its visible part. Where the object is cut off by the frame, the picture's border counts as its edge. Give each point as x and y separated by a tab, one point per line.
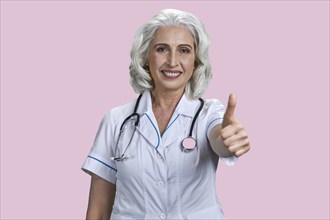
233	134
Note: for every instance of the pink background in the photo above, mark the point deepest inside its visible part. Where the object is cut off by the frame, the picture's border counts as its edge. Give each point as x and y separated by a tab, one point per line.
65	63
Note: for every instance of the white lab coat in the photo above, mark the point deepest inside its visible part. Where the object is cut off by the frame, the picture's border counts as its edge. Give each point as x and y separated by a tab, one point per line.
159	180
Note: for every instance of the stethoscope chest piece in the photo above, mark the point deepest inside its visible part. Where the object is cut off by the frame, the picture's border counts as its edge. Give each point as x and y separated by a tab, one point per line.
189	143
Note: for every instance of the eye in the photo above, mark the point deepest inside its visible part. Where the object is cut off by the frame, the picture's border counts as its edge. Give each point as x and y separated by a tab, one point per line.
161	49
184	50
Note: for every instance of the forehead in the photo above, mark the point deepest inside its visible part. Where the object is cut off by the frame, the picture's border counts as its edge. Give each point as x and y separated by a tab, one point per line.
173	34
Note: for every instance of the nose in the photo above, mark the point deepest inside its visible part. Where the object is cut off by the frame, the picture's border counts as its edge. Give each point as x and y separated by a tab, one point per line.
173	59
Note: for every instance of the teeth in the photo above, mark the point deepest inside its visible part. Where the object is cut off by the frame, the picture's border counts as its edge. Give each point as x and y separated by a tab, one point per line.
171	74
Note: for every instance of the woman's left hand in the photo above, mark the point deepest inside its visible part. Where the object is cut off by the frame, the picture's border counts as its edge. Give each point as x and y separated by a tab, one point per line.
233	134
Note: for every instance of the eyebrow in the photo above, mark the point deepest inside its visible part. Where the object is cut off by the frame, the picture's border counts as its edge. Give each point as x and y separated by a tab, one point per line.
180	45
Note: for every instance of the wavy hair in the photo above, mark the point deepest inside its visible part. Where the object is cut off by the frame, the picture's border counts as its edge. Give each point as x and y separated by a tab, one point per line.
141	79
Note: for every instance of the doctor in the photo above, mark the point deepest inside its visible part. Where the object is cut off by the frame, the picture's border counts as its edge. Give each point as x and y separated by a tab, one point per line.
156	157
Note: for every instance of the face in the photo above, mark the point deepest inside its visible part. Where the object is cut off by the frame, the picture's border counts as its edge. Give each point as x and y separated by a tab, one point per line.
171	59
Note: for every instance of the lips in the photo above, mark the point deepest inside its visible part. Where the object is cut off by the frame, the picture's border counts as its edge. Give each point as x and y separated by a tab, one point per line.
171	74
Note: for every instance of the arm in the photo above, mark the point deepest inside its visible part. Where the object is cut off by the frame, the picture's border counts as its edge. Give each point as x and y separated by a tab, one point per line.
101	198
229	138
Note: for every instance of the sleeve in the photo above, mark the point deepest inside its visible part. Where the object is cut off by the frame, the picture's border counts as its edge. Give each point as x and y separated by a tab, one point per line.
99	159
216	114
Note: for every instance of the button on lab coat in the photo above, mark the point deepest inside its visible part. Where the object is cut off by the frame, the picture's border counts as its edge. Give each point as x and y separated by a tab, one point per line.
159	180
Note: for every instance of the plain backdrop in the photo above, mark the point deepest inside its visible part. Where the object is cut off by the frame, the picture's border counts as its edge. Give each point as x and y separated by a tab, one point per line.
65	63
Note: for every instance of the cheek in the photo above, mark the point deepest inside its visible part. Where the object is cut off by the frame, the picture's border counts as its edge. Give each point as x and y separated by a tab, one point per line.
189	64
155	61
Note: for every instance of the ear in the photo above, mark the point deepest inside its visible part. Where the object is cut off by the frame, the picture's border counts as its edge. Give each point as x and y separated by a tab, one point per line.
146	62
146	66
197	63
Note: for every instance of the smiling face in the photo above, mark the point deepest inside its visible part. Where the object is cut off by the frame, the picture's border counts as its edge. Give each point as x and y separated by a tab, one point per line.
171	59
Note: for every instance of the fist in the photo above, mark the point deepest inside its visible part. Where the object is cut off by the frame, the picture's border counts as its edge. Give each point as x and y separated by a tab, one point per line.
233	134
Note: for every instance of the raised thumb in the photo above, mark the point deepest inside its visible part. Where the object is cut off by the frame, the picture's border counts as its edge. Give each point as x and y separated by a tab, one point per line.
229	114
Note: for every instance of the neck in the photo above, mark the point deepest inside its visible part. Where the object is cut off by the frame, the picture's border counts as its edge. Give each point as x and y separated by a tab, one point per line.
165	100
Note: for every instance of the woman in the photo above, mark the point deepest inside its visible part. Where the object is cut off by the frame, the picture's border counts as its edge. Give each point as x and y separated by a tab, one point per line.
142	164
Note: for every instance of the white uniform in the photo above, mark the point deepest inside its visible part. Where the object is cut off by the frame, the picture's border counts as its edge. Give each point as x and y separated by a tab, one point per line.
159	180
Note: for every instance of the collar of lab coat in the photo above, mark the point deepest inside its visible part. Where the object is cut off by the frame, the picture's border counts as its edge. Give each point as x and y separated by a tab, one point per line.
185	107
148	125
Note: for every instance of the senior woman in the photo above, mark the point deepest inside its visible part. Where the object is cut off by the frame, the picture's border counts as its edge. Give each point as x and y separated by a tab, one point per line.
156	157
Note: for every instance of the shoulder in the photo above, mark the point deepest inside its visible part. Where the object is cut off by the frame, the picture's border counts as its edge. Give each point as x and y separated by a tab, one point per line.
213	112
125	109
213	105
119	113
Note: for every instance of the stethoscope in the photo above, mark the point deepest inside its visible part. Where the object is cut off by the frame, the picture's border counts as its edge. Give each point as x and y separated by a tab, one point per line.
189	143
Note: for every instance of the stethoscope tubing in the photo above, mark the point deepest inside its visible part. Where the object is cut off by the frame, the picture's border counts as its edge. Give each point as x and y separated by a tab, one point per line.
196	116
185	148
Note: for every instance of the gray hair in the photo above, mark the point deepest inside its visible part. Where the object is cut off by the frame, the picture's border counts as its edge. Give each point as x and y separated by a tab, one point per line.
140	77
